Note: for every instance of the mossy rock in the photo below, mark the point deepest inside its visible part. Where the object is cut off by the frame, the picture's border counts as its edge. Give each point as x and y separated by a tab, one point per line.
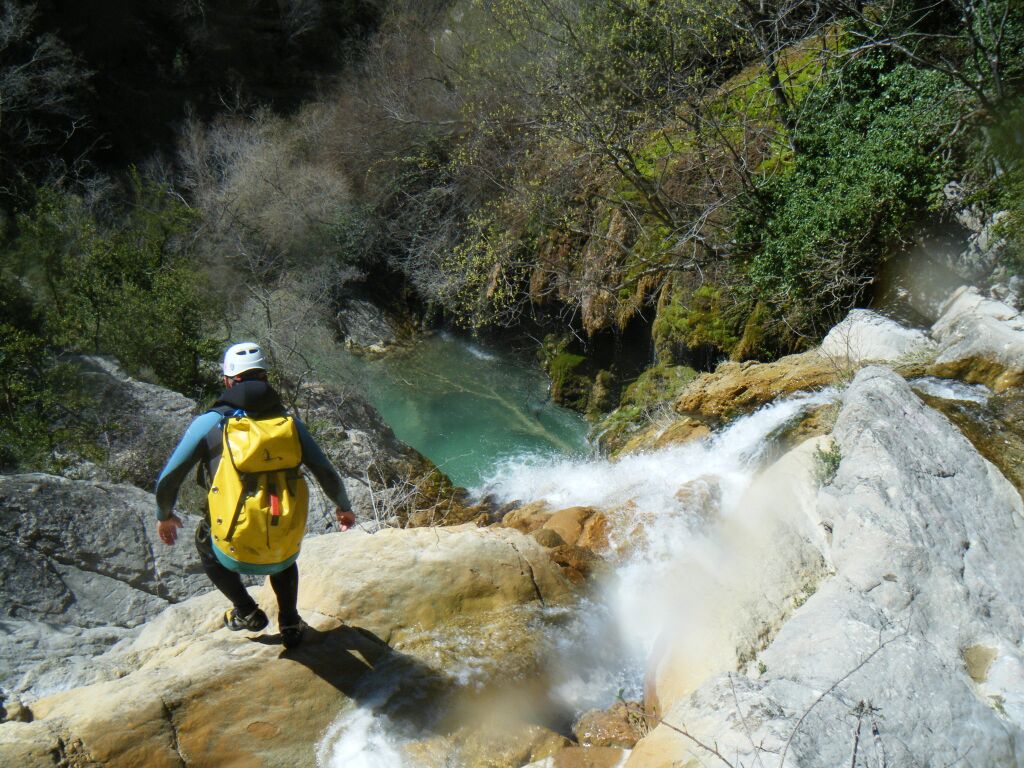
692	324
569	387
660	383
603	395
765	338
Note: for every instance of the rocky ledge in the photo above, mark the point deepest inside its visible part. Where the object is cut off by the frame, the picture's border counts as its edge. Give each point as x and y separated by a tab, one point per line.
396	620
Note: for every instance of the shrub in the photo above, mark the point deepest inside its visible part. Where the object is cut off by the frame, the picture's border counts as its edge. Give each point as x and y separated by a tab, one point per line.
130	290
872	156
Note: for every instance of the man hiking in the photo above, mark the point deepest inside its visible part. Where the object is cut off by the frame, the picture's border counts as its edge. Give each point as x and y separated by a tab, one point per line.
257	499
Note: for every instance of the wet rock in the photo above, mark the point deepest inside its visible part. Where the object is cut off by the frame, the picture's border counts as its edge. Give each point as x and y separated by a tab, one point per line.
619	726
568	523
192	692
924	552
657	436
735	388
981	341
578	564
547	538
528	517
994	427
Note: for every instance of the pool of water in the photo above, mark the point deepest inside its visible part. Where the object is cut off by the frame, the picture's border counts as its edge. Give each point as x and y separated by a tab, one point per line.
467	406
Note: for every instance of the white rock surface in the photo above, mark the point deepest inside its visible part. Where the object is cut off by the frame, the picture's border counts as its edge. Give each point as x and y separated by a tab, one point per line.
916	634
80	565
866	336
980	340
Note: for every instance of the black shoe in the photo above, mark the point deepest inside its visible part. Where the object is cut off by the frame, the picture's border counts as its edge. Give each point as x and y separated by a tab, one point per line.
253	622
291	635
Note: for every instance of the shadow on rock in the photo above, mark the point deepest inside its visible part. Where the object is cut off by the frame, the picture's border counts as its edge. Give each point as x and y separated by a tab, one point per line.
375	676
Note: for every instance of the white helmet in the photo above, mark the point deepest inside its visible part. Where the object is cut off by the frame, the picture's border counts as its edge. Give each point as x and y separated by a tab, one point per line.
246	356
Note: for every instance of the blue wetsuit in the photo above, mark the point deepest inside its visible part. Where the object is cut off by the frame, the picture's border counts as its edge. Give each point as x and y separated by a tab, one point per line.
202	443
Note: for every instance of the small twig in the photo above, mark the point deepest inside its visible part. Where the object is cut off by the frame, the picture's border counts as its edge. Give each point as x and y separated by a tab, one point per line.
831	688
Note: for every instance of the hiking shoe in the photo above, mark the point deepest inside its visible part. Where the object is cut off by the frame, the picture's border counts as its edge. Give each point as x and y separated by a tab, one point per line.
253	622
291	635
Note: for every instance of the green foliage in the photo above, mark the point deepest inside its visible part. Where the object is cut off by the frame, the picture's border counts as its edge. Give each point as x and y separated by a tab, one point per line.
658	384
827	462
1008	149
872	158
39	398
691	321
129	290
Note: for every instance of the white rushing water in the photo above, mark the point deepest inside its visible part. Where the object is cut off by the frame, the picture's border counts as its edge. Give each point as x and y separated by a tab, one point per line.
951	389
659	504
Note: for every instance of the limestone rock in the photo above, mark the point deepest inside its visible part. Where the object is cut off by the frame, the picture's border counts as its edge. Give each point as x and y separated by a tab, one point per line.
365	327
528	517
81	564
547	538
866	336
142	422
192	692
568	523
491	571
735	388
914	626
657	436
980	341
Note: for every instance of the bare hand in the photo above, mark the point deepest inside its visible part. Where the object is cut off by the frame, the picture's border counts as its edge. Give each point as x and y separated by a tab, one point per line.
345	518
168	529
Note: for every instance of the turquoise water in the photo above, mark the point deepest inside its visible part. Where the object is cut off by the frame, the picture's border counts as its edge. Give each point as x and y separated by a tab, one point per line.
466	406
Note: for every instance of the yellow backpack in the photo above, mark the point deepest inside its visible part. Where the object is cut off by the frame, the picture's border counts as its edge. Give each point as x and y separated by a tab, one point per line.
258	499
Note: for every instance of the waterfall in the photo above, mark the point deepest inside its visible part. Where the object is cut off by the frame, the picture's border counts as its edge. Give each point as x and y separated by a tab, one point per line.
659	504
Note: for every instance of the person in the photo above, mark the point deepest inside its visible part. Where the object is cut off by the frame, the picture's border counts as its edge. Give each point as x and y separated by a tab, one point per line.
246	389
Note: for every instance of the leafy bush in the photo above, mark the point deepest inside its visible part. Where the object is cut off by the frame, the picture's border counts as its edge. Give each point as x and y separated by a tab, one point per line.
130	290
39	398
873	155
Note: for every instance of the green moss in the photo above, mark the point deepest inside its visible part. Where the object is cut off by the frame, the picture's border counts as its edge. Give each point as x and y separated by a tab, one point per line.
658	384
570	385
689	321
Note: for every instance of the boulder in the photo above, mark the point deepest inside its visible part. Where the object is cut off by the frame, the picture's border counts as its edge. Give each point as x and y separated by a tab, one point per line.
141	422
657	436
365	327
912	632
528	517
619	726
981	341
191	692
81	564
568	523
735	388
866	336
